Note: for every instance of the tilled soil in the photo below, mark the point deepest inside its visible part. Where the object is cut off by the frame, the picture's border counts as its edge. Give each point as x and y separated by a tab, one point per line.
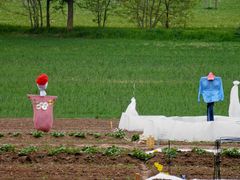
40	165
193	165
65	166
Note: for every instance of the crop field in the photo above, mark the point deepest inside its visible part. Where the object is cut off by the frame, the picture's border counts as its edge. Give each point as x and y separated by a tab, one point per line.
95	72
97	77
92	149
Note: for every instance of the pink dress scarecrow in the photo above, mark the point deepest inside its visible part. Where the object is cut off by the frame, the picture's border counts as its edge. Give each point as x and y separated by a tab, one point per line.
42	105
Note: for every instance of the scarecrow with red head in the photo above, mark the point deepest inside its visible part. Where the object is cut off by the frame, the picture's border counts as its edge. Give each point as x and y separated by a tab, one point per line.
42	82
42	105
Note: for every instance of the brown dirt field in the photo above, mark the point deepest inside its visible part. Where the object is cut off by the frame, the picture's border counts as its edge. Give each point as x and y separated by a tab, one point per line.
62	166
98	166
197	166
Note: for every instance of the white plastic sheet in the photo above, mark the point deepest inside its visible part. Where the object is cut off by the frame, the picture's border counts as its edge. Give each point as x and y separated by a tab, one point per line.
131	112
192	128
164	176
188	128
234	106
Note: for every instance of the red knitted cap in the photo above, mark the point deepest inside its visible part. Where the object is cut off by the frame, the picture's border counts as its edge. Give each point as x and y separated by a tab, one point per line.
42	79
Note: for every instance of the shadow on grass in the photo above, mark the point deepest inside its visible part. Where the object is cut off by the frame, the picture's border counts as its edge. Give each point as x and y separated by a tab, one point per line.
203	34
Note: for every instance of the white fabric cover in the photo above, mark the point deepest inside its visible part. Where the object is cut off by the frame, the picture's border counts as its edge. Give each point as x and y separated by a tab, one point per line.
164	176
125	122
192	128
188	128
234	106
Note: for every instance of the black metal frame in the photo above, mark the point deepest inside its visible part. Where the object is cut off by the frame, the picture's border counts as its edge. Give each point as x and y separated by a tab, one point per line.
217	155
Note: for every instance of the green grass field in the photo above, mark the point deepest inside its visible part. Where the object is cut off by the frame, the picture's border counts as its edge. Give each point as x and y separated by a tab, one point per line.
95	77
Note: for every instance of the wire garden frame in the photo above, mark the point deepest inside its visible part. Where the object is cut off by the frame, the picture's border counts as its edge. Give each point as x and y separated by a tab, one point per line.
217	155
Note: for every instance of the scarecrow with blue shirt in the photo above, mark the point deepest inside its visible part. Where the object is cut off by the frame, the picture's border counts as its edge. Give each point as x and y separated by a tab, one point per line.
210	87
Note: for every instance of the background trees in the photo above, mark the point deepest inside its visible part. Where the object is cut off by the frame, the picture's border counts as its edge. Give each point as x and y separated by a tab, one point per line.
100	9
143	13
60	4
210	4
70	15
176	12
149	13
34	9
48	3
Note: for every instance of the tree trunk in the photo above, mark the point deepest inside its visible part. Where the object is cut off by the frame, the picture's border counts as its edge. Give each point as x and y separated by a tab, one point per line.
35	13
138	14
30	12
157	15
144	13
146	17
98	14
40	13
105	12
48	14
167	13
70	15
151	14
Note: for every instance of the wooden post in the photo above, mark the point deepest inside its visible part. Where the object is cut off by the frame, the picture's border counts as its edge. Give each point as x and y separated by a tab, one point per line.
137	176
111	124
150	142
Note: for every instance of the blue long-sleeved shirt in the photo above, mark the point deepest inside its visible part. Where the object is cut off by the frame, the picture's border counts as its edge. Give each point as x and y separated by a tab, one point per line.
211	90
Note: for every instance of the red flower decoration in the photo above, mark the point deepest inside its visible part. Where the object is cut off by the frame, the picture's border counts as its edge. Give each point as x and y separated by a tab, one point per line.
42	79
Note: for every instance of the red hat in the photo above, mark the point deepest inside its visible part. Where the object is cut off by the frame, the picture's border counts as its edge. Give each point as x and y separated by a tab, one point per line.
211	76
42	79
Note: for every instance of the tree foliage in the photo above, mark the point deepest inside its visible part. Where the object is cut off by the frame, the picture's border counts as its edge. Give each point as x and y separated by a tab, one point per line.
100	9
176	12
146	13
149	13
34	9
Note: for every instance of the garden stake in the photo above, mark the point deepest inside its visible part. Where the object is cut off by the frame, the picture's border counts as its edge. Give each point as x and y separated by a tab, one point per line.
150	142
217	161
111	125
169	158
137	176
134	90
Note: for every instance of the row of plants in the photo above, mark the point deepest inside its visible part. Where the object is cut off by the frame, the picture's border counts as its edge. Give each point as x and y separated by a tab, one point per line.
230	152
109	151
22	152
118	133
14	134
53	151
